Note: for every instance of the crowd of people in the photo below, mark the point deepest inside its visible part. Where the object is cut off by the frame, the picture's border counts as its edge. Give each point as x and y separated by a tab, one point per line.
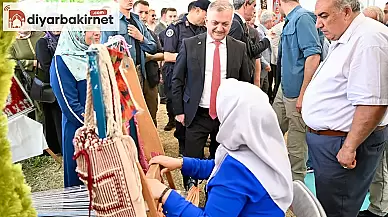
241	82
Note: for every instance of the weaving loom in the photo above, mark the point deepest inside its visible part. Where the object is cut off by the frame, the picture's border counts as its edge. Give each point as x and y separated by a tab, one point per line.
75	201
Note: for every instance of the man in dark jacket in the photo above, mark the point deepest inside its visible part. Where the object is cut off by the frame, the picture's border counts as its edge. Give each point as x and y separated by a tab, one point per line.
243	13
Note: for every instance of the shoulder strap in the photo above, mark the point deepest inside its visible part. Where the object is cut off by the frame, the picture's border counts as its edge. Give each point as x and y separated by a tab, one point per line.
31	47
20	66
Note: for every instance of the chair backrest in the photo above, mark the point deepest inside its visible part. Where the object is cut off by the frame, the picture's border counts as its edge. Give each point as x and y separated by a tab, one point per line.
305	204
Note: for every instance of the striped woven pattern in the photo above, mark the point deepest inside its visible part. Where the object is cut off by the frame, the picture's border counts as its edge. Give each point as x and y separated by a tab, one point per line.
108	166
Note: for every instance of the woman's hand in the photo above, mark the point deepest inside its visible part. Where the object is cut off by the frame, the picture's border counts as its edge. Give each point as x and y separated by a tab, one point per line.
157	189
169	163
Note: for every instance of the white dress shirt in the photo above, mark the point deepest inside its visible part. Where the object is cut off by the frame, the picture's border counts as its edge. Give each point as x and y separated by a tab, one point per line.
355	72
207	88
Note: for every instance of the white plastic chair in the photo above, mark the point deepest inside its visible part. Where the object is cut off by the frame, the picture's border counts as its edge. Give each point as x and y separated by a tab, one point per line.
305	204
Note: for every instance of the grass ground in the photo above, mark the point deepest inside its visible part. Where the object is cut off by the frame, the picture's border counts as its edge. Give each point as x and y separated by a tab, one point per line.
43	173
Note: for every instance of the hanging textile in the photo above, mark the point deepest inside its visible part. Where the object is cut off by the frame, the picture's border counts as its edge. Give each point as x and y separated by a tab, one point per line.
108	166
128	106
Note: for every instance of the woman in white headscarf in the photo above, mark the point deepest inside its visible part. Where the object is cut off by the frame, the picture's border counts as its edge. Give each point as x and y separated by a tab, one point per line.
251	175
68	79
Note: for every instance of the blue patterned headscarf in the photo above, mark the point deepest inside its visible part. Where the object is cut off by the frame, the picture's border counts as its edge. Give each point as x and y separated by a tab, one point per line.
72	48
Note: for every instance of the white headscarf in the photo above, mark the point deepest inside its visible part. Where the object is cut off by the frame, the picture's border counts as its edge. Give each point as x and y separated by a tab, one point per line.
249	132
72	48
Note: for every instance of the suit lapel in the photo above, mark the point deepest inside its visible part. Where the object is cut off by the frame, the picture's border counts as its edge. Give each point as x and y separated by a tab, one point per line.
201	53
229	55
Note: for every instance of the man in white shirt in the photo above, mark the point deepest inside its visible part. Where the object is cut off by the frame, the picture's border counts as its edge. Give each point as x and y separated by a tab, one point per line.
202	63
267	20
345	106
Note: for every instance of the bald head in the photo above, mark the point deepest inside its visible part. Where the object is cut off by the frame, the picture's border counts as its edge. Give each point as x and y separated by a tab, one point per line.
375	13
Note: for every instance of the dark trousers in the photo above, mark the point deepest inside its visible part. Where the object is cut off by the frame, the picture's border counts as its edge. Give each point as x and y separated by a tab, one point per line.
342	191
168	96
198	133
162	92
180	134
271	78
53	126
170	110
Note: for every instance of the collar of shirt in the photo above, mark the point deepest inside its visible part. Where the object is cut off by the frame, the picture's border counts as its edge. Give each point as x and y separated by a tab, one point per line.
122	16
210	40
241	17
351	28
164	23
292	13
263	28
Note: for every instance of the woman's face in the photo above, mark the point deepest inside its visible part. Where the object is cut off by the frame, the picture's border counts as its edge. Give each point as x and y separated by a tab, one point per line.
56	32
92	37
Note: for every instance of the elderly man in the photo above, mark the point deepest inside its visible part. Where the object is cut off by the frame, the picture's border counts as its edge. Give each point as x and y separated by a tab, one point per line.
375	13
345	106
379	187
266	22
299	57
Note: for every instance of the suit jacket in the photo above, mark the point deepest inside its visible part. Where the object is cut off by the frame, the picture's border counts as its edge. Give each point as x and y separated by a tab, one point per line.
189	72
239	32
152	67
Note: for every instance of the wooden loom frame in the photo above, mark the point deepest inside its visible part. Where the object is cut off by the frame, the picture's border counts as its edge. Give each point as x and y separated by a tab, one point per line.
151	141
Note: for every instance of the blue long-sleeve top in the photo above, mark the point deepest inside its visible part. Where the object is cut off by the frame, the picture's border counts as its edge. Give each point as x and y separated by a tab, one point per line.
70	93
233	191
71	97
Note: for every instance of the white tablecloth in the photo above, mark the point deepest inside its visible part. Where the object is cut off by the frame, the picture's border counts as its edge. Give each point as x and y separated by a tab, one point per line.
26	137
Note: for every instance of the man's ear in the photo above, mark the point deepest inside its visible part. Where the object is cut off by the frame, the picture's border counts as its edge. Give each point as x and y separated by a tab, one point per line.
348	11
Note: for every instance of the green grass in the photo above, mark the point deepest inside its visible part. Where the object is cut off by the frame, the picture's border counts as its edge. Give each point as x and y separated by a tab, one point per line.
42	173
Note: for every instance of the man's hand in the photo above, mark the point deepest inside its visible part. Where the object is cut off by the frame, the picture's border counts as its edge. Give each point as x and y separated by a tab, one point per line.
135	33
299	102
148	57
268	68
347	157
180	119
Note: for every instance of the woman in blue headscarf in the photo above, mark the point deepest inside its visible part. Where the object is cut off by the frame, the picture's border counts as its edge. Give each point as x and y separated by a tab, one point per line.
68	79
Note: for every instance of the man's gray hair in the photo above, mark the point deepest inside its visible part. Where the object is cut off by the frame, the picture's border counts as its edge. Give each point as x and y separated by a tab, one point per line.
376	10
239	3
220	5
353	4
266	15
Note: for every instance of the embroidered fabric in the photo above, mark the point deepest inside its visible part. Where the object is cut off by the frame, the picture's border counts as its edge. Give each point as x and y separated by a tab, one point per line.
108	166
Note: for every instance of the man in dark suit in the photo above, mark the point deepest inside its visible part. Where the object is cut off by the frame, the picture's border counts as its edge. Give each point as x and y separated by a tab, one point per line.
202	63
240	31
